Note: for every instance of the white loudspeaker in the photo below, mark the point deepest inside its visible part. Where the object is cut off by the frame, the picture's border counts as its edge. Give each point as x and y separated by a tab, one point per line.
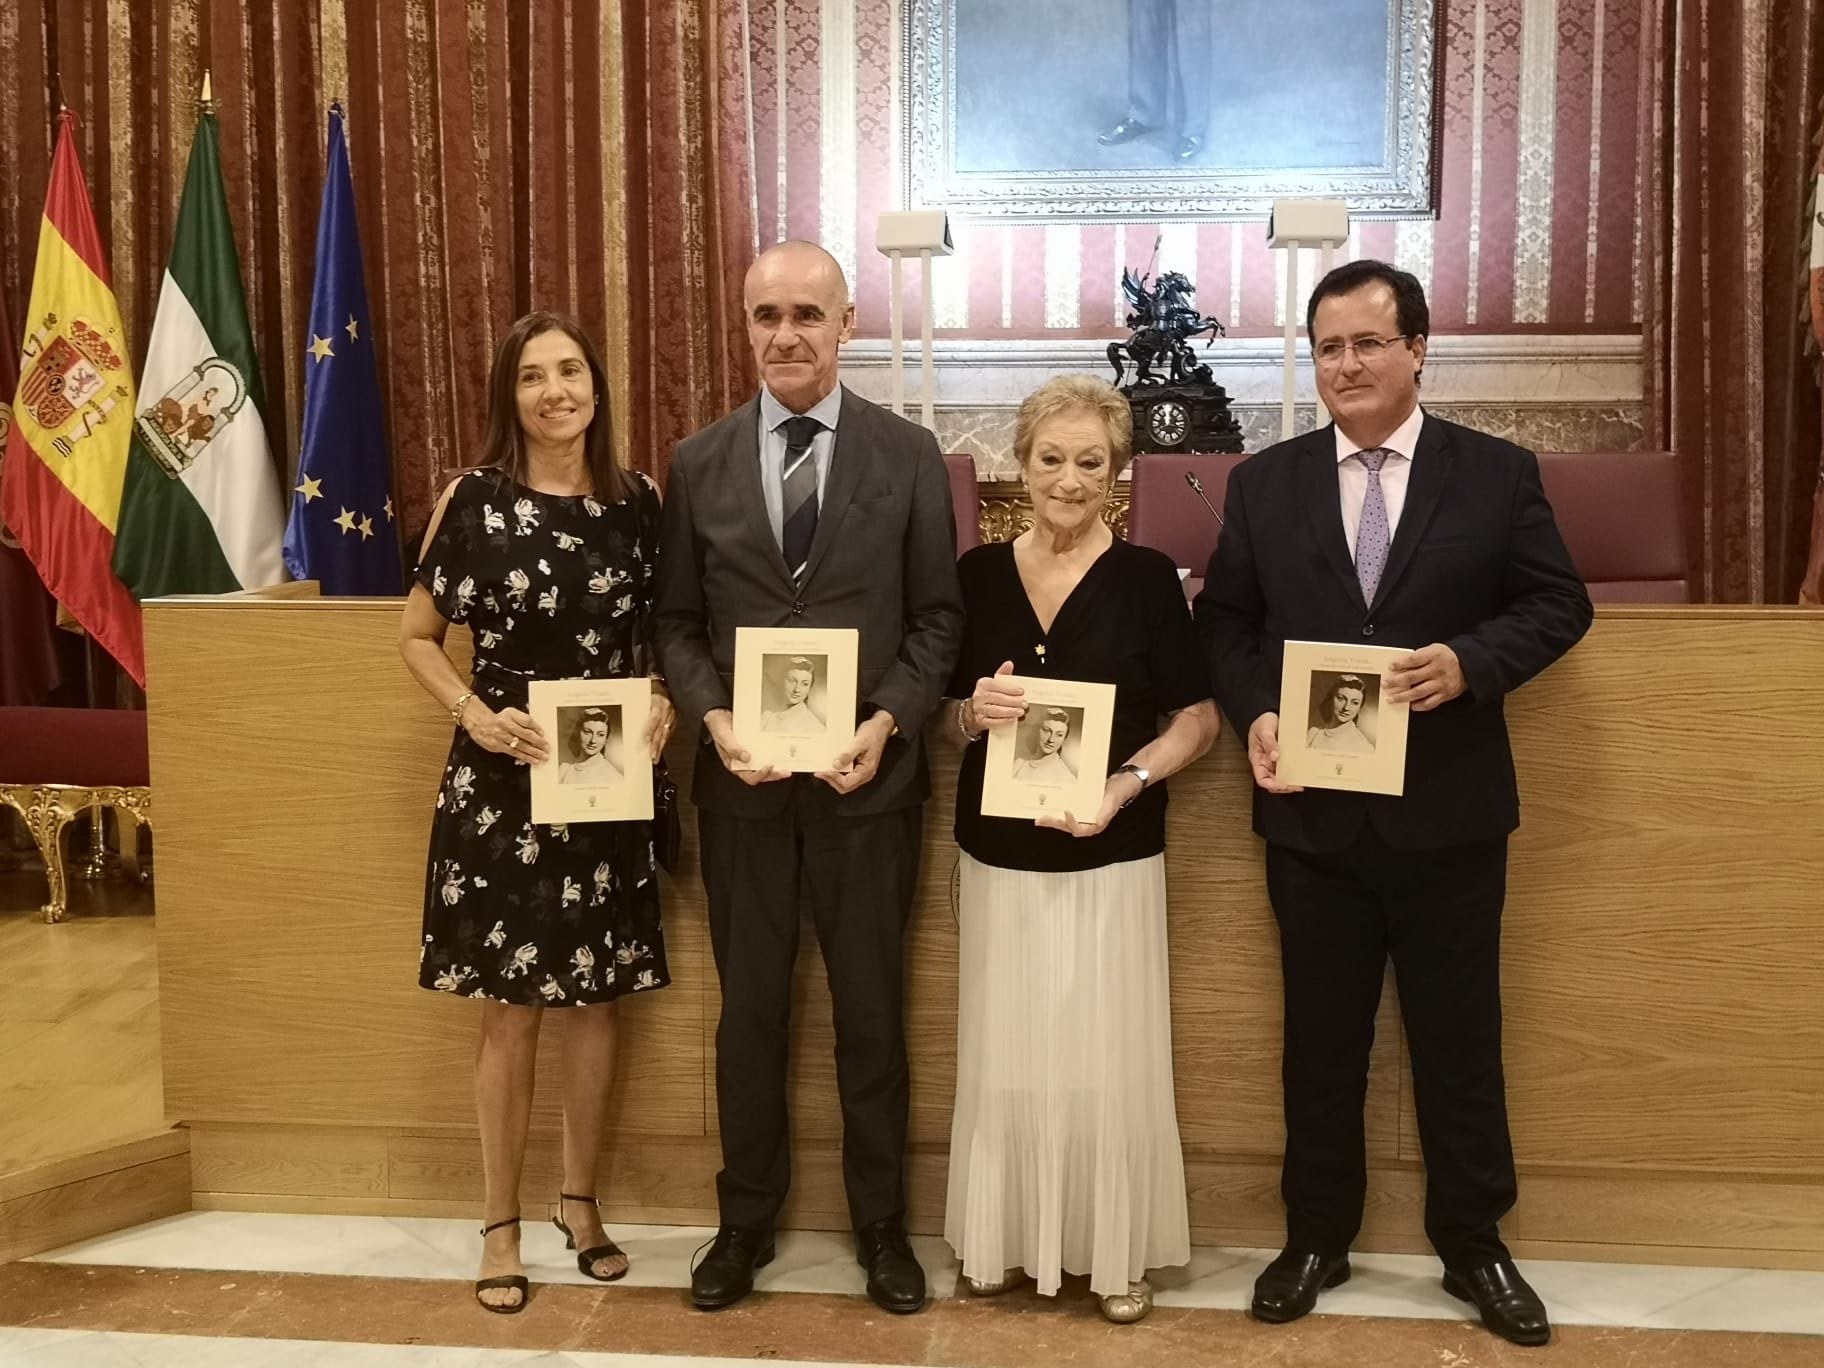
897	235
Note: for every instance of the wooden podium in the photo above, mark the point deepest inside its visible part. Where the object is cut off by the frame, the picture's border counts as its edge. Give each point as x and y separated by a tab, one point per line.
1664	957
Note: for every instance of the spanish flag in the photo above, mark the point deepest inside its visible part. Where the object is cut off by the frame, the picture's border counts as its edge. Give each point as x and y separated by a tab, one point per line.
66	455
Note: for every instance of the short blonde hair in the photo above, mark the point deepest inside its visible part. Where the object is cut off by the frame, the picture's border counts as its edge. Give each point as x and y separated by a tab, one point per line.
1063	393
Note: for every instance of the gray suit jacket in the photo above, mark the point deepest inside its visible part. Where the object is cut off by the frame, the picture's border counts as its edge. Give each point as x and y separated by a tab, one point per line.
883	561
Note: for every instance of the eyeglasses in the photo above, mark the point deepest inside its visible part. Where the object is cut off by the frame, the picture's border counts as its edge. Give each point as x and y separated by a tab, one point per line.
1367	350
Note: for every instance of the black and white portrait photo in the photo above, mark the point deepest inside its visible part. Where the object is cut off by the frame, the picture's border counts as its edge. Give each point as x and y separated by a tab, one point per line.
1048	743
1343	711
589	746
792	693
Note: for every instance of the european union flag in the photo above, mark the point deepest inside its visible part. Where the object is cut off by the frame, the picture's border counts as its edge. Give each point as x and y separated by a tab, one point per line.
342	531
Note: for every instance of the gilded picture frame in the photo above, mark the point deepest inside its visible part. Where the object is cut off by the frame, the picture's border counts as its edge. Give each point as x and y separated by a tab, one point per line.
1008	107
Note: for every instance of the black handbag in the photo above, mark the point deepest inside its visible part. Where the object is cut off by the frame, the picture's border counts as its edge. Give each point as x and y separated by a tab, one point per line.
667	827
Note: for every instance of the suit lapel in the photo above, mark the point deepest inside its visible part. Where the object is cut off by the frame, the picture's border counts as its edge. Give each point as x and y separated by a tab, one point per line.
744	485
1317	459
848	451
1430	472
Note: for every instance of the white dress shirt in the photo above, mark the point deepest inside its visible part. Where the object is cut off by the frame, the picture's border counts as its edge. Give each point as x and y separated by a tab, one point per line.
1396	470
772	452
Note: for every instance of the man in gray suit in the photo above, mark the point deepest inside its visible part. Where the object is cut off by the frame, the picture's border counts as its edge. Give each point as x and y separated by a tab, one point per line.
809	507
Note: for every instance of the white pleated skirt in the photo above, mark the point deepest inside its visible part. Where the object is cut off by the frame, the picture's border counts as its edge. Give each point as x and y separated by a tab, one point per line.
1064	1154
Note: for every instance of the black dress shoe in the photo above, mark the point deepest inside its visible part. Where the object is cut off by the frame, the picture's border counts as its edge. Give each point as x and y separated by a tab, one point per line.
895	1280
1188	148
1124	132
1508	1305
1288	1288
727	1272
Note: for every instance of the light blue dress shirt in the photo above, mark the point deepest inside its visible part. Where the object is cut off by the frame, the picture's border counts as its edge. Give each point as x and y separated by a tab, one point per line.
772	452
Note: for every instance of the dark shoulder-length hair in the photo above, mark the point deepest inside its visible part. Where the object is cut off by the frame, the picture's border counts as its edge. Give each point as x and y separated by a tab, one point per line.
504	446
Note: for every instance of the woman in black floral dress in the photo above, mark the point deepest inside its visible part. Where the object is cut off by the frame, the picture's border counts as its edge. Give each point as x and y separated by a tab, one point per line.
547	554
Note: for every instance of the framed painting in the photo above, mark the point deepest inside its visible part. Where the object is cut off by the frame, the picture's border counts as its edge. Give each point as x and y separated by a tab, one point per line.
1132	110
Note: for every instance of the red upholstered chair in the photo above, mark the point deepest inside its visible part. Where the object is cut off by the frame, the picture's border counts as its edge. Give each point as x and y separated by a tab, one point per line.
1165	513
1622	516
57	762
966	499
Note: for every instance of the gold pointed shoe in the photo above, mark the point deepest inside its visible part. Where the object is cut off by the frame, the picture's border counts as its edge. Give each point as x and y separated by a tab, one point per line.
993	1287
1136	1305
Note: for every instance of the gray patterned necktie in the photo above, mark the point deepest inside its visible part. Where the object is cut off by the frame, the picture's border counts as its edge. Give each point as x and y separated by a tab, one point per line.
1372	534
800	479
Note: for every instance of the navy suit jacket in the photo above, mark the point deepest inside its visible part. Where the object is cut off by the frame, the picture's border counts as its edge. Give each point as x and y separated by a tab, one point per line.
1476	563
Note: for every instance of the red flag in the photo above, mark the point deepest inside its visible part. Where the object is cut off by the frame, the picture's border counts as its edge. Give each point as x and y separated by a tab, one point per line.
66	456
28	614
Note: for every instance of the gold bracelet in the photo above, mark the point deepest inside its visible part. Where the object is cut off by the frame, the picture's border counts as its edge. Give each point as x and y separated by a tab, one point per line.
460	704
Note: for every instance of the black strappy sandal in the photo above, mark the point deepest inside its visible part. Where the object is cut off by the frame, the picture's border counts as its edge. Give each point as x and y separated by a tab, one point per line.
515	1281
585	1259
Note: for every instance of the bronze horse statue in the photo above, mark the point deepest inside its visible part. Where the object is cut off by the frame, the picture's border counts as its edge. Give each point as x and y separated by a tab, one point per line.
1162	319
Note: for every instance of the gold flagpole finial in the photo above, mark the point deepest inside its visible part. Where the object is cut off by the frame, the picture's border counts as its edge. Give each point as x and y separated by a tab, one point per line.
208	93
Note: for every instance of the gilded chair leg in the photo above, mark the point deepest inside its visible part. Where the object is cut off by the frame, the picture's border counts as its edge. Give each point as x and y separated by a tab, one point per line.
54	874
45	818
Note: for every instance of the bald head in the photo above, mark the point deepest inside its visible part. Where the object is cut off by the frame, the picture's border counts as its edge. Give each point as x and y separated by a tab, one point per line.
798	317
796	260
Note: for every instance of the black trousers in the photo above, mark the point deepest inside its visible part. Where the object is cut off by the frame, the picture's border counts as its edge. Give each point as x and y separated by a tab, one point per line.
858	874
1437	913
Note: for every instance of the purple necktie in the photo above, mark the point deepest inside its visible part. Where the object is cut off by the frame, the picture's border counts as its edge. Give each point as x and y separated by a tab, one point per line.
1371	533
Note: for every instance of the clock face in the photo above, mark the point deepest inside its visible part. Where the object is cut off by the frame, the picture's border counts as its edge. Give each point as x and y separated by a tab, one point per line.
1168	423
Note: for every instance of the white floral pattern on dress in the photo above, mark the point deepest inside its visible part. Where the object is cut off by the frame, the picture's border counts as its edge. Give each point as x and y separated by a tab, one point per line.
566	915
461	787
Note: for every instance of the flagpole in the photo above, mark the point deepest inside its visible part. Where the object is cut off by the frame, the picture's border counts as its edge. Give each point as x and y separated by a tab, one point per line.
100	864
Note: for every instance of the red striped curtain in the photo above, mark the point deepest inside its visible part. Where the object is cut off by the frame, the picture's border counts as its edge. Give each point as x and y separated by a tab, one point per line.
1726	120
582	155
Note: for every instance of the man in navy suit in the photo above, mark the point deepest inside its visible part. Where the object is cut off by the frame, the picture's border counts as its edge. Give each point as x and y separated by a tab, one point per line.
1392	527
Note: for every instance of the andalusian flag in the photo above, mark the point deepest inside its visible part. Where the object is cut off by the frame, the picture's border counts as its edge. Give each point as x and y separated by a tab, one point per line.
202	512
66	456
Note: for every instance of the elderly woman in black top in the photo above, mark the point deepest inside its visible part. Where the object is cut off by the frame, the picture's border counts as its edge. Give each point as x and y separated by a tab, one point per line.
1064	1154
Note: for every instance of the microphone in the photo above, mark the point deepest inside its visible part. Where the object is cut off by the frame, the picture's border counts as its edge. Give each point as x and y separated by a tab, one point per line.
1191	479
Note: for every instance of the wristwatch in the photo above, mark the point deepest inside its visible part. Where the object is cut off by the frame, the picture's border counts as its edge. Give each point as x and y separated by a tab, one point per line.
1143	776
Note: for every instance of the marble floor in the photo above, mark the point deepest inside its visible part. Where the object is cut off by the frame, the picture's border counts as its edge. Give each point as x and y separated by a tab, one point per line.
225	1288
1403	1285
